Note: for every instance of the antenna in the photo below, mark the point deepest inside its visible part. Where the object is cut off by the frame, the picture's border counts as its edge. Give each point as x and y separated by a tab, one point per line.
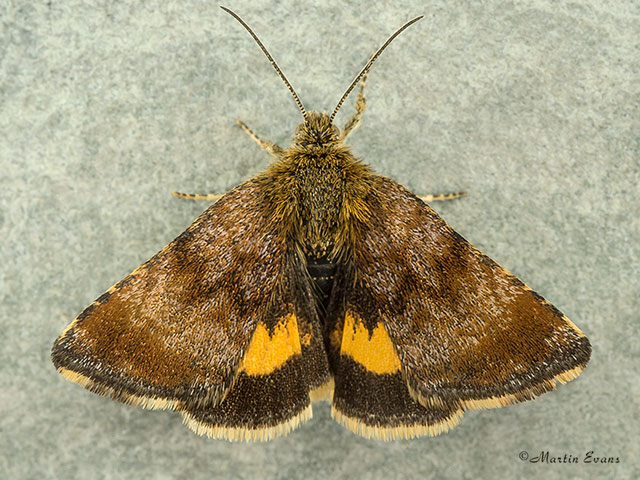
370	63
273	62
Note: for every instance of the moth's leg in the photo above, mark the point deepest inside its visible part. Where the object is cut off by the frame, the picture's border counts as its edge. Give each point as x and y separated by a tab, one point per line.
196	196
361	105
271	148
443	197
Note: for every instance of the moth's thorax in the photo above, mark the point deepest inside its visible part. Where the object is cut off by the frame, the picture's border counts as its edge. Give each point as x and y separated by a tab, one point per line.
320	189
319	185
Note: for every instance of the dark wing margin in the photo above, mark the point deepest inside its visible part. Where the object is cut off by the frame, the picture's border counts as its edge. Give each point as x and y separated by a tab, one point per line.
174	332
467	333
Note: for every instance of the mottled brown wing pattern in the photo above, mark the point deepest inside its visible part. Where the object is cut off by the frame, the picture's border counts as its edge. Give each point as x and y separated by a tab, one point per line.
467	333
174	332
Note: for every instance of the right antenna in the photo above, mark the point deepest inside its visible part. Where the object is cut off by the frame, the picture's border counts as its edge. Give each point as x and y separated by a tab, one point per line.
370	63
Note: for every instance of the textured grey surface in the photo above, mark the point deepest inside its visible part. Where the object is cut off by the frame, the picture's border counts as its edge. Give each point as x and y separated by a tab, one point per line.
533	107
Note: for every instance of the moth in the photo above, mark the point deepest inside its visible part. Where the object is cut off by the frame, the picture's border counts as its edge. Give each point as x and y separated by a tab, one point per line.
320	279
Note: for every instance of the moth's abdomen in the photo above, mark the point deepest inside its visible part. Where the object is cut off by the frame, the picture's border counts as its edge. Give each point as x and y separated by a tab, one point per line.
322	272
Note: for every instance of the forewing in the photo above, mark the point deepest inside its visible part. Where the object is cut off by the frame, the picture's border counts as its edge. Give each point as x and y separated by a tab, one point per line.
174	332
466	331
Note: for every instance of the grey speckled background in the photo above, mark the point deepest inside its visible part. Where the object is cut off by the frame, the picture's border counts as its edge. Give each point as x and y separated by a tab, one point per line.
534	107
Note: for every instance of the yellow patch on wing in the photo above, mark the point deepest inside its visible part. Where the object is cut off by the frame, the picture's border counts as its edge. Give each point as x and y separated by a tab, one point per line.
267	353
373	351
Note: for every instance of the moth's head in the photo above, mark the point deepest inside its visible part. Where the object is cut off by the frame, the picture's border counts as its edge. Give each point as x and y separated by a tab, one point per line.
317	130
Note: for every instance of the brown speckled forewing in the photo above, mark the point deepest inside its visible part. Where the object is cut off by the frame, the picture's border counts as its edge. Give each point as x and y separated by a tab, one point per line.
177	327
464	328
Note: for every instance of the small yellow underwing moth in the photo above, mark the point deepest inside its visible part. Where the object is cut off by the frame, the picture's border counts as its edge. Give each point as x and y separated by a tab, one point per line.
320	279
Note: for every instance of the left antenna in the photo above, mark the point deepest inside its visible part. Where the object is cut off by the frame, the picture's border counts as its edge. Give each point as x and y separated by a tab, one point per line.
273	62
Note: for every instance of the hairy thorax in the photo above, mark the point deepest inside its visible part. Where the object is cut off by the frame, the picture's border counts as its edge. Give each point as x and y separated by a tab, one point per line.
319	193
320	181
